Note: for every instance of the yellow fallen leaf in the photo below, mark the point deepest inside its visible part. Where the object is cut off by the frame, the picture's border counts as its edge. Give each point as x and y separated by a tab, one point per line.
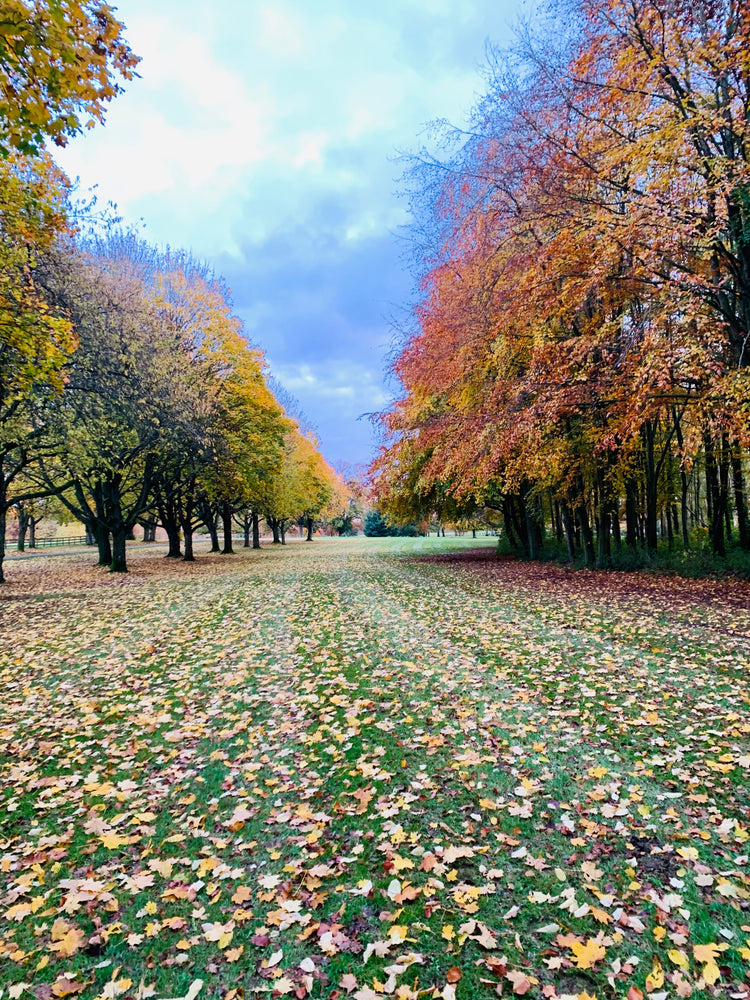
706	952
679	958
69	943
655	978
586	954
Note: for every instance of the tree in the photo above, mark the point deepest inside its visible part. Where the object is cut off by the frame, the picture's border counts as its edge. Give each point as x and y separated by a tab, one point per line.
584	319
376	525
302	487
59	63
36	338
123	388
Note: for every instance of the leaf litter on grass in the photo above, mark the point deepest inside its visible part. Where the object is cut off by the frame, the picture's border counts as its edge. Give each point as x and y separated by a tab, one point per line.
339	770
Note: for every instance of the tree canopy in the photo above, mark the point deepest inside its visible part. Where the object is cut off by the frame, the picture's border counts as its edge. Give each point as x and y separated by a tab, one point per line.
581	341
60	64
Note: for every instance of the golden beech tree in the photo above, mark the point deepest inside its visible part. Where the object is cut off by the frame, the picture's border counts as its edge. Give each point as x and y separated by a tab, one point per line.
302	487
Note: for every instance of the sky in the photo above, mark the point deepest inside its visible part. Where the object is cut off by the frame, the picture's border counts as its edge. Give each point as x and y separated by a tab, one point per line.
265	138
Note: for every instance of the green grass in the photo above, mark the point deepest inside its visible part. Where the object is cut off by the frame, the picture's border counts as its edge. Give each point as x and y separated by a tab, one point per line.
299	728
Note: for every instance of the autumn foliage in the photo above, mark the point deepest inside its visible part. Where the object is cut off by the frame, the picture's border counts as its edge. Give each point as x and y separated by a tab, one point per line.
580	352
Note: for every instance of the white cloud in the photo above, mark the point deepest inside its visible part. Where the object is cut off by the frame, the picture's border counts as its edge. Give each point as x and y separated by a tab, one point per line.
254	119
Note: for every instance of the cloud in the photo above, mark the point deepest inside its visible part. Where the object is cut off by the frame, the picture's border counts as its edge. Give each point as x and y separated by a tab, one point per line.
339	396
262	136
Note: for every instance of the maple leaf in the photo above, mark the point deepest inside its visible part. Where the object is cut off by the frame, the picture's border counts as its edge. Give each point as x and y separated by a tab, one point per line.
521	984
66	941
64	987
587	953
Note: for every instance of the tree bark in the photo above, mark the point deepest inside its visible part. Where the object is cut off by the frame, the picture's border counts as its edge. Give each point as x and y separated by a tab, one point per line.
226	520
714	497
23	525
256	531
187	534
683	481
119	558
570	537
740	499
648	433
3	518
309	530
631	513
103	544
604	522
587	539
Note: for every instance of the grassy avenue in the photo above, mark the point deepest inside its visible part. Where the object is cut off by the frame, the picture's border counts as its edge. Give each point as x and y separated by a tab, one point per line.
386	767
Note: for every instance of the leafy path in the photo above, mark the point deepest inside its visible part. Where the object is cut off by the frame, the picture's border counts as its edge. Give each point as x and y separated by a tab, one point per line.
363	768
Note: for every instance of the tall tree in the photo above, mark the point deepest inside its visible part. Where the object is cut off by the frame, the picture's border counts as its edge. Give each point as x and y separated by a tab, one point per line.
36	339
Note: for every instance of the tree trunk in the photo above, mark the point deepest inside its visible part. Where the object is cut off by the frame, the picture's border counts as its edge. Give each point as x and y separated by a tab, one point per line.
101	534
256	531
714	492
119	561
724	464
648	432
587	538
740	499
246	530
616	536
101	531
149	530
282	532
226	520
23	525
570	537
604	523
32	532
213	534
187	534
631	513
273	524
309	529
116	523
172	529
3	518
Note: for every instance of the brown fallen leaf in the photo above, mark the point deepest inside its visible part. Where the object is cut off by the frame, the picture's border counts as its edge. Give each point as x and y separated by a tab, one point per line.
64	987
